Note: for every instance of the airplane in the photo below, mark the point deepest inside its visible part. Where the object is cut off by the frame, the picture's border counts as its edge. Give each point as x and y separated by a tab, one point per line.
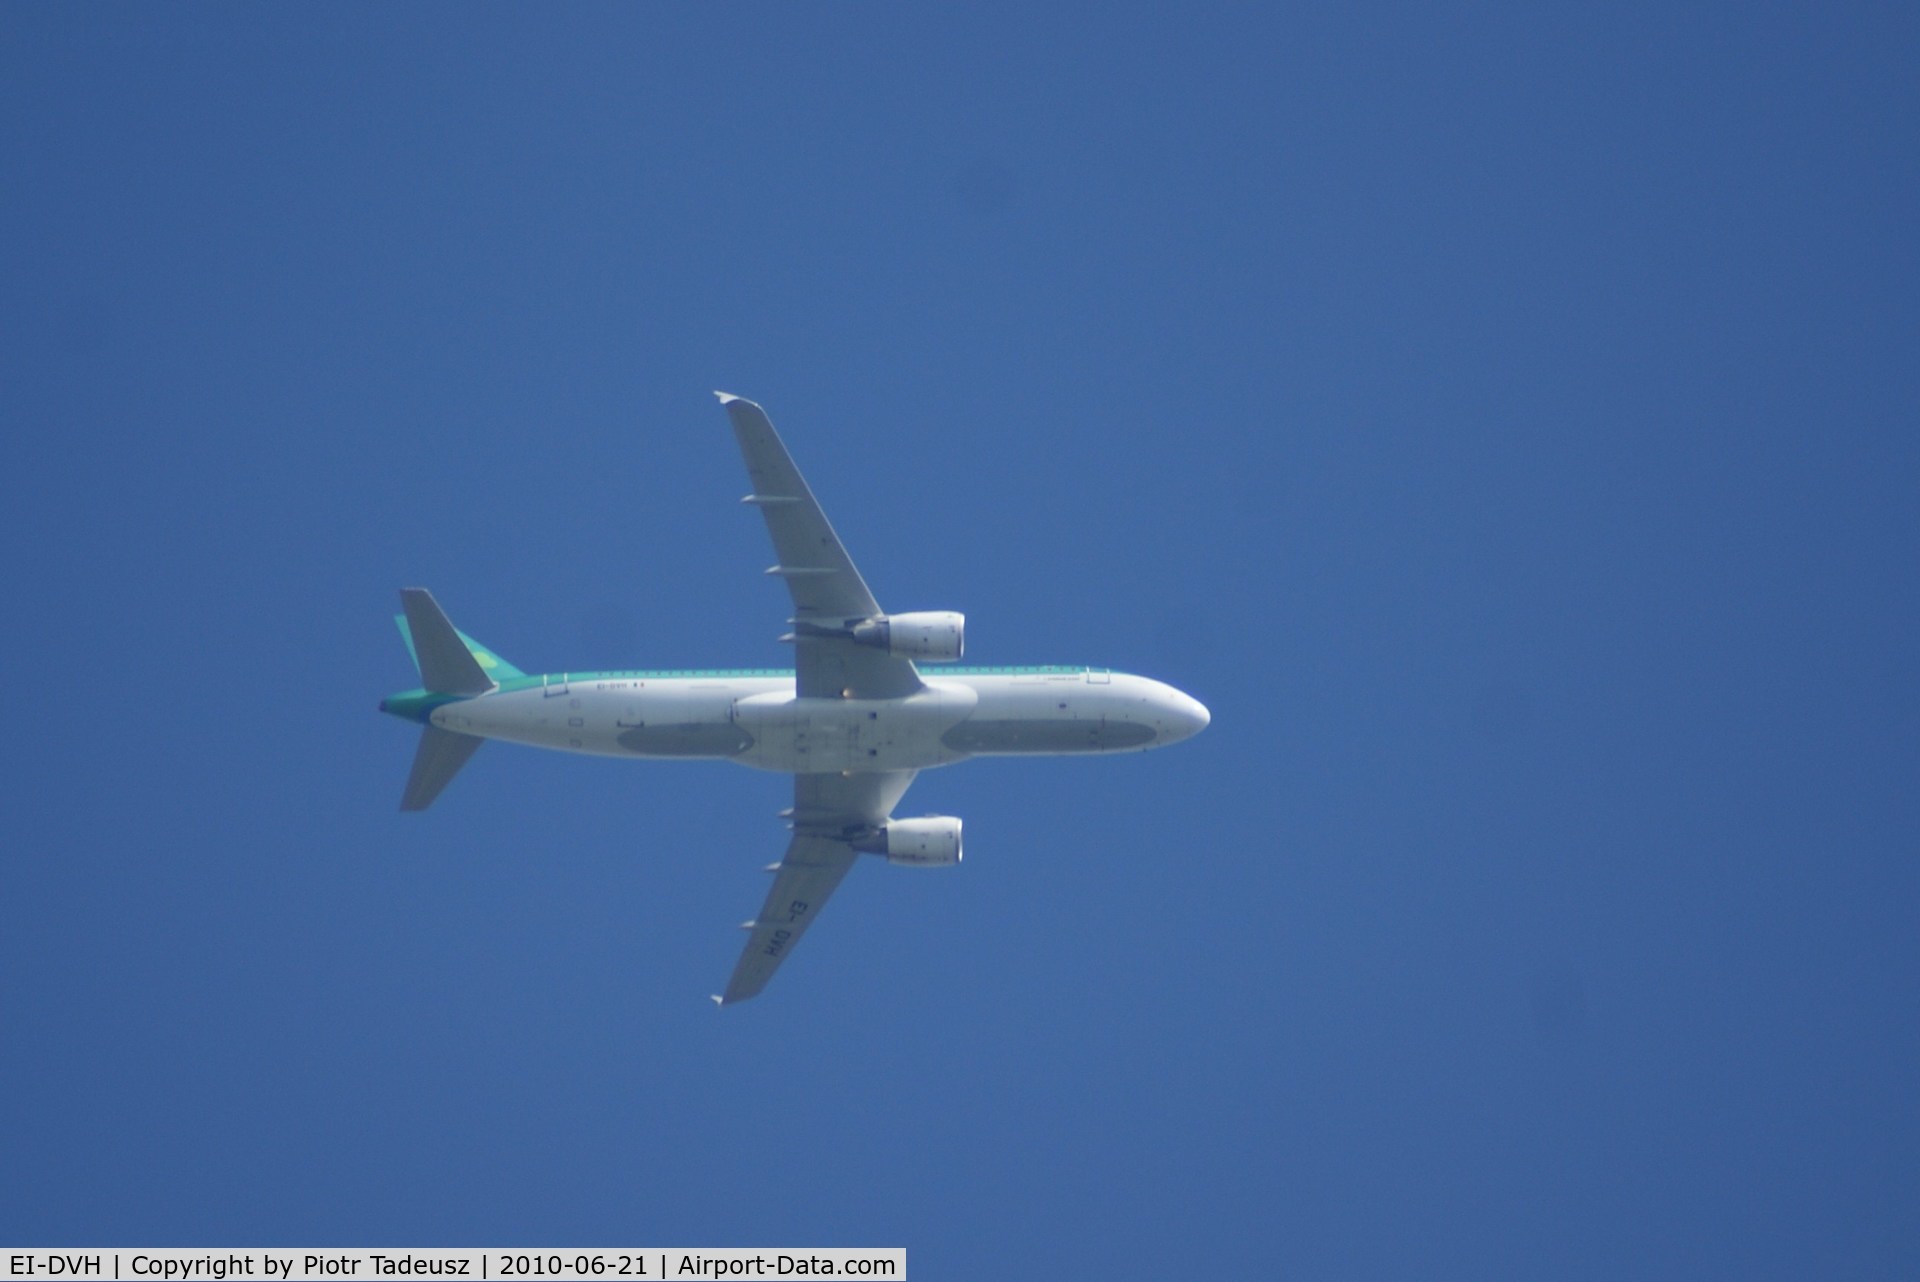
853	721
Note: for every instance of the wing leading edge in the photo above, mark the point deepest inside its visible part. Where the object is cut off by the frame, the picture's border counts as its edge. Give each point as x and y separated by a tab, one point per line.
828	810
827	590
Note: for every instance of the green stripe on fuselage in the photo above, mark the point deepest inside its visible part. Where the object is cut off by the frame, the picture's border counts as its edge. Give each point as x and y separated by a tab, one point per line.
722	674
418	705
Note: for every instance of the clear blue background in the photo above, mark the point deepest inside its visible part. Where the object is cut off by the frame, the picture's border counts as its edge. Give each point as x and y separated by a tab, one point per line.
1503	419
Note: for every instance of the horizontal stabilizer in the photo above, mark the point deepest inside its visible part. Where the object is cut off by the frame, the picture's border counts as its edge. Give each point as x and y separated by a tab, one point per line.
435	763
446	665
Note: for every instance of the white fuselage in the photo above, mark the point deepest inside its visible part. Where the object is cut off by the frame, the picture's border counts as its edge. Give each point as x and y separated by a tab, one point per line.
757	721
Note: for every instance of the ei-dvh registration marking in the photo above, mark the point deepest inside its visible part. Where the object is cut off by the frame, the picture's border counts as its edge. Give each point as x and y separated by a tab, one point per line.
176	1264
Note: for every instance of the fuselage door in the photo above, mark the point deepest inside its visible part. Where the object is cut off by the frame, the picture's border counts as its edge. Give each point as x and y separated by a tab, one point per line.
1099	676
551	685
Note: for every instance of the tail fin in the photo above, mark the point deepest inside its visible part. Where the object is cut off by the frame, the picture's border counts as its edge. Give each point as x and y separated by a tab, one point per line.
437	760
449	663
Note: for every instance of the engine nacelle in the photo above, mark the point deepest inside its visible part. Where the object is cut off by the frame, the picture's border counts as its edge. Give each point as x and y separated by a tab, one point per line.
932	842
936	636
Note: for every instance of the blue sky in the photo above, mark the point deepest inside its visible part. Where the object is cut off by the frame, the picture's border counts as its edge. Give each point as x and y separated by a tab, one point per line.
1503	419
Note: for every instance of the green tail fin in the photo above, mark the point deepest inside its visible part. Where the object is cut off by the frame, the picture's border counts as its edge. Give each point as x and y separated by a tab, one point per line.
447	662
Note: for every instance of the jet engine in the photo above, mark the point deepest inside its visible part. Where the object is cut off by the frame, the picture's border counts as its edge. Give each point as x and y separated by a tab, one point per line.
932	842
937	636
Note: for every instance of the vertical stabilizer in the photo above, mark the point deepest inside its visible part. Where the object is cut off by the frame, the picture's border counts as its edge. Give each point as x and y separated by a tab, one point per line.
435	763
446	665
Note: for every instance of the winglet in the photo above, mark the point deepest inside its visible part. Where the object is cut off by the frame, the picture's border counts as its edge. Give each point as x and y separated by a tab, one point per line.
728	398
716	999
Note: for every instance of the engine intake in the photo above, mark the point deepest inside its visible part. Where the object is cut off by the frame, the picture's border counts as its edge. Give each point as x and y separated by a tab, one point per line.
930	842
937	636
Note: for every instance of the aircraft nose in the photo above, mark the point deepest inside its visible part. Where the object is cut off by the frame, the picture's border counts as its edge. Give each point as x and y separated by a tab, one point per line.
1183	715
1194	716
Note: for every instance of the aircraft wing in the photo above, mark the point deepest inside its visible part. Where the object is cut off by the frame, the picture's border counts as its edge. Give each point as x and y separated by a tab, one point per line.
828	592
826	810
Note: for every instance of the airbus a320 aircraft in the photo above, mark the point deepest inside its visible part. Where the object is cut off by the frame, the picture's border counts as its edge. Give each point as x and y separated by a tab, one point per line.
853	722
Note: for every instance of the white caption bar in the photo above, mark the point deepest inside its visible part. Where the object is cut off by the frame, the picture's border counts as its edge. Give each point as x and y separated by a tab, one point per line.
545	1264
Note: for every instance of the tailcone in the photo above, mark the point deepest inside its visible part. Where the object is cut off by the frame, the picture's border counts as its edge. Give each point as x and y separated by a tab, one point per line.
415	705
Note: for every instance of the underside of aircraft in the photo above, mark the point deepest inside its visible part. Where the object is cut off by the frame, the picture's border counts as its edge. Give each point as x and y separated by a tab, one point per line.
854	720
